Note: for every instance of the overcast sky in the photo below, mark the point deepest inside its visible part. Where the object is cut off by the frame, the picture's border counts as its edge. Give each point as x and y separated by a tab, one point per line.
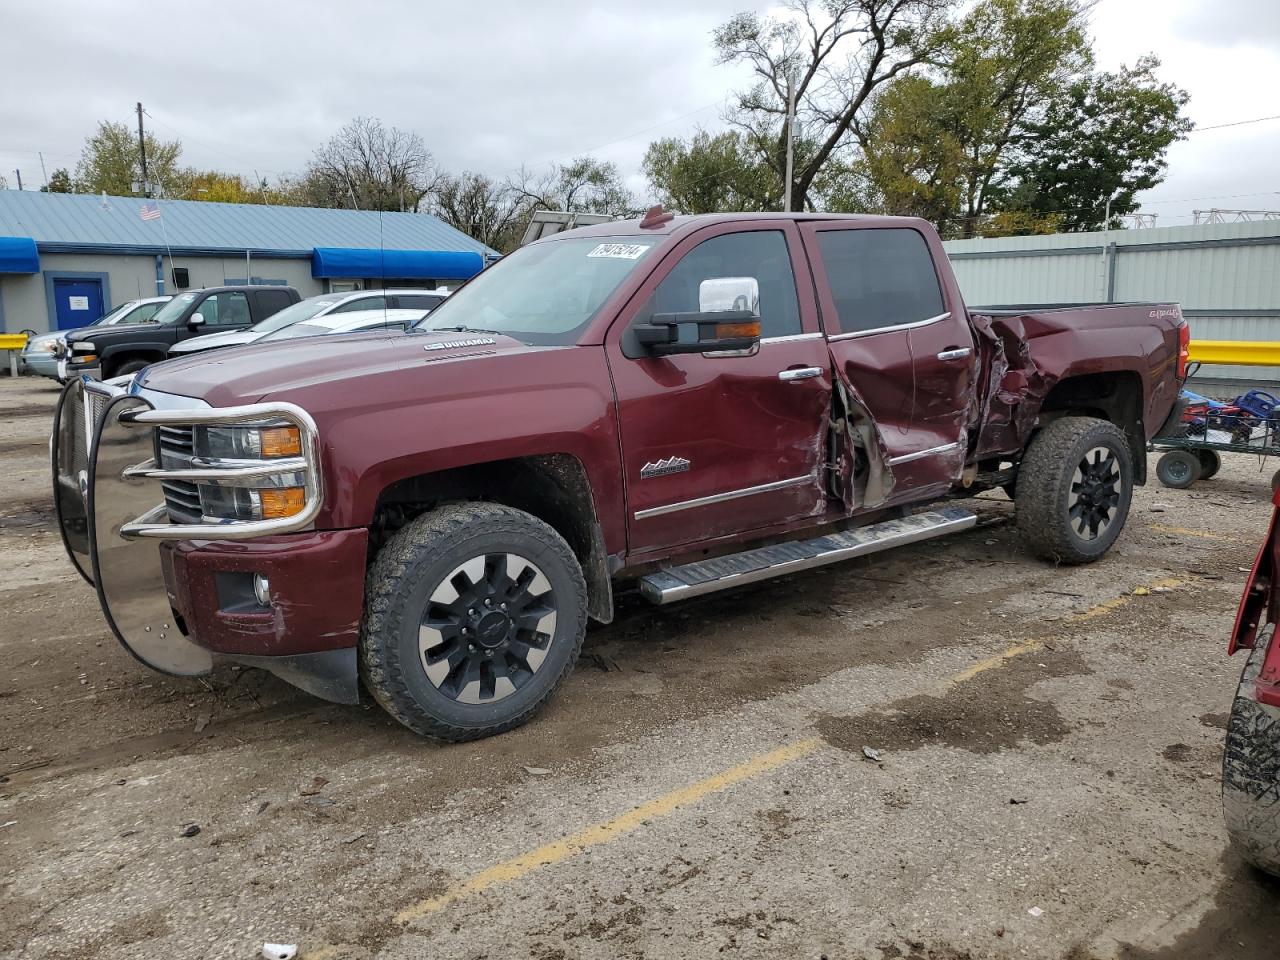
491	86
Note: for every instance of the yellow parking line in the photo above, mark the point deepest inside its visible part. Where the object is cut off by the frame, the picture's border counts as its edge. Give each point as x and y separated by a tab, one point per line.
559	850
599	833
1188	532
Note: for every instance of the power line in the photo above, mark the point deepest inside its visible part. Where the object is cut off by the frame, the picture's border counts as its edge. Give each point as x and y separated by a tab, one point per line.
1237	123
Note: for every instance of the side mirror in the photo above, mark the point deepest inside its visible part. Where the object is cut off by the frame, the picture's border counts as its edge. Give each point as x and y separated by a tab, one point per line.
195	321
728	318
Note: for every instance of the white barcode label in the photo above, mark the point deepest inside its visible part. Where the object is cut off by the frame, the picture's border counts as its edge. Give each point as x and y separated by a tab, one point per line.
619	251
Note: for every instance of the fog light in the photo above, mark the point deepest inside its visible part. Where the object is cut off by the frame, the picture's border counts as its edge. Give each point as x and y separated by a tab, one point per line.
262	589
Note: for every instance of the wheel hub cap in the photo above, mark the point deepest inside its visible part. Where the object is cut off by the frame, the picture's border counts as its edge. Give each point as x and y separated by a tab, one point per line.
1096	488
487	628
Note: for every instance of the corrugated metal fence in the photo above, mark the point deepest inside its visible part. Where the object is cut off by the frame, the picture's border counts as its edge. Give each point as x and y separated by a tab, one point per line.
1225	276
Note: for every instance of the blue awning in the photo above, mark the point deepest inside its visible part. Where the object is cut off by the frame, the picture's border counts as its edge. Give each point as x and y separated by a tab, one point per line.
409	264
18	255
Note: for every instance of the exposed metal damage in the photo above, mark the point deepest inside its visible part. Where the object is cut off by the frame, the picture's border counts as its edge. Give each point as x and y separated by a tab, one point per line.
1008	402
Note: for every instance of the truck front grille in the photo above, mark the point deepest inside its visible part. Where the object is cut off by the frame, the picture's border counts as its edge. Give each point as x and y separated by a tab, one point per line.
175	448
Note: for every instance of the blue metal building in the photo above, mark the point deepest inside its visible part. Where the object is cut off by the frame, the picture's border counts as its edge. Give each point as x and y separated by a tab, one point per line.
65	259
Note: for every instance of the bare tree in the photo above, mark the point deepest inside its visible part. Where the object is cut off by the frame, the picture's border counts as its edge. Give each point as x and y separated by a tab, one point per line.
584	185
835	53
370	167
490	212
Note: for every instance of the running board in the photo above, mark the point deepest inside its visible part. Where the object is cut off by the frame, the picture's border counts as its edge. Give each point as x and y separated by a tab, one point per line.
722	573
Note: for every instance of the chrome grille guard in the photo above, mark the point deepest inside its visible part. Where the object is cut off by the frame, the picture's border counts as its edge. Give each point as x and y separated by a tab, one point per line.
90	408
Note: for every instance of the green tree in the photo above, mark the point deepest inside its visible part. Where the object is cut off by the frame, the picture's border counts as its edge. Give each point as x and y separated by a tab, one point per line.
941	146
110	161
709	173
1105	137
59	182
914	161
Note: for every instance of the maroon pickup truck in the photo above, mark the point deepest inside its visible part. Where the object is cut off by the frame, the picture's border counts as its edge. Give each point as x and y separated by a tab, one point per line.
691	403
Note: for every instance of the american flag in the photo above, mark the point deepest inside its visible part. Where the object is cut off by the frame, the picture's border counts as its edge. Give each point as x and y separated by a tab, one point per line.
150	211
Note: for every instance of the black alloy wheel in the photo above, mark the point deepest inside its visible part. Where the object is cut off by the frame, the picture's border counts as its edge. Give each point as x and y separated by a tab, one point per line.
487	628
1095	493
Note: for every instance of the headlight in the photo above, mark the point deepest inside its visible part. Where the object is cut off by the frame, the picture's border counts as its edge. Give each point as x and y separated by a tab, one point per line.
250	503
248	442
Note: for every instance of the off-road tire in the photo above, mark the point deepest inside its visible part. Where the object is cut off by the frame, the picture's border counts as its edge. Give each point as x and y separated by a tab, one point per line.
411	564
128	367
1179	469
1044	491
1210	463
1251	772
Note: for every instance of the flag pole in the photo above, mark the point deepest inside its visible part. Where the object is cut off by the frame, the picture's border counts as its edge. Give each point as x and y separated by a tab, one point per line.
165	235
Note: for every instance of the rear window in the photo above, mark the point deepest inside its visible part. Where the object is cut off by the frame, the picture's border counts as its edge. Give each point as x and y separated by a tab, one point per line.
879	278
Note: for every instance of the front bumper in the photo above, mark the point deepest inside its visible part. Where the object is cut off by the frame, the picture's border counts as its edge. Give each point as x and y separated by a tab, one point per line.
42	364
179	595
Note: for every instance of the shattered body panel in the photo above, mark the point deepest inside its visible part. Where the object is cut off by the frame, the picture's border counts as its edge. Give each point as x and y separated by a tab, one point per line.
1024	356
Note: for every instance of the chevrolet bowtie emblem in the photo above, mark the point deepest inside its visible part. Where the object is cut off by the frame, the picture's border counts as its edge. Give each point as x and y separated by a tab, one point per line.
663	467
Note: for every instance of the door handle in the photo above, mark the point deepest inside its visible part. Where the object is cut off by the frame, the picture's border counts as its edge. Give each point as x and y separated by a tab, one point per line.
958	353
800	373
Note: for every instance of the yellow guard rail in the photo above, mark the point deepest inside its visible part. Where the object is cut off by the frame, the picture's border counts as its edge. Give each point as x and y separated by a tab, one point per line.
1245	353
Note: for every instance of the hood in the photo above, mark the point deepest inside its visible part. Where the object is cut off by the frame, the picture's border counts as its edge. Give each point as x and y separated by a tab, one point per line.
290	367
232	338
104	336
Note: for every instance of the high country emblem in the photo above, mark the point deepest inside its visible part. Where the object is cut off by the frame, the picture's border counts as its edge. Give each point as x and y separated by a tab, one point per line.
450	344
663	467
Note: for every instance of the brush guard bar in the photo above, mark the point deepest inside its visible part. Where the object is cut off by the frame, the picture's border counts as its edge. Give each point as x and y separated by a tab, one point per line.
110	506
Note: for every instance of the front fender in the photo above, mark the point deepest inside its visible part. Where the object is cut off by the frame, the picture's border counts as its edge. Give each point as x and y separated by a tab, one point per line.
1259	606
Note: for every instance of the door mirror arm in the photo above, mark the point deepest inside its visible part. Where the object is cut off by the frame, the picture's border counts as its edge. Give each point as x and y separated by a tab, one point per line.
716	331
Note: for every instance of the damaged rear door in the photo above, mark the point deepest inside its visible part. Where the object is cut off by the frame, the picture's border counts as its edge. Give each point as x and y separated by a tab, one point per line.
901	347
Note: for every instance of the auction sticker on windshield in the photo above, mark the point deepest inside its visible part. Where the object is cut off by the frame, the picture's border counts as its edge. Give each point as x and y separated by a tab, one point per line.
619	251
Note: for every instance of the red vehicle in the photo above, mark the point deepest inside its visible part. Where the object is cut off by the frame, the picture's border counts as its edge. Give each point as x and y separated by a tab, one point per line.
1251	760
694	403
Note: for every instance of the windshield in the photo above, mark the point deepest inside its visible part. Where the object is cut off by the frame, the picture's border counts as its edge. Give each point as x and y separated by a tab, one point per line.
114	316
295	313
173	309
136	313
544	293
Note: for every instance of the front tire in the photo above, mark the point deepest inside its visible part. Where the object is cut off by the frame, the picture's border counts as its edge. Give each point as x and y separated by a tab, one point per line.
1074	489
1251	772
475	613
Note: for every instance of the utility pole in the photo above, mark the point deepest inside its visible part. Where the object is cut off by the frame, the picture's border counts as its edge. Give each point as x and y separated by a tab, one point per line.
43	173
18	174
142	152
791	124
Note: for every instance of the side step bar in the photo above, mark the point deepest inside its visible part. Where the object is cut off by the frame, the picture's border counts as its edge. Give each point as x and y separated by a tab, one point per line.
722	573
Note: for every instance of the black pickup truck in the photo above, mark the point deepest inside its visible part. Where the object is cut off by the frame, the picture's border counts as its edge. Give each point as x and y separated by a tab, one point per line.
114	351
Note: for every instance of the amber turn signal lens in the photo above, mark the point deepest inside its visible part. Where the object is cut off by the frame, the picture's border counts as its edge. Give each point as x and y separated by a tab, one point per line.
281	442
282	502
748	328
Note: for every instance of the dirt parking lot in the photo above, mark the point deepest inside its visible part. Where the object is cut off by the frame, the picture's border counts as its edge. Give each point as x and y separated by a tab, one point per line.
1048	782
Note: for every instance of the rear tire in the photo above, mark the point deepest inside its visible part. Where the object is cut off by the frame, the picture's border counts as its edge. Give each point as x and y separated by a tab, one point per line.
1178	469
475	613
1074	488
1210	463
1251	772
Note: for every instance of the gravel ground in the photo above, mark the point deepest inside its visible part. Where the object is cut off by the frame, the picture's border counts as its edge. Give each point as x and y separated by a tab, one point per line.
1047	785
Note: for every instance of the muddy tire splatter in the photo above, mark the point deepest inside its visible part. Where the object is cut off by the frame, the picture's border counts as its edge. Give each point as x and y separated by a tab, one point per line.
475	613
1073	489
1251	772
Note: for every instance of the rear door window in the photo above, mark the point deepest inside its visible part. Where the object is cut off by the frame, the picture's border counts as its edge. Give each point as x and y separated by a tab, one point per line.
424	301
361	303
879	278
271	301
